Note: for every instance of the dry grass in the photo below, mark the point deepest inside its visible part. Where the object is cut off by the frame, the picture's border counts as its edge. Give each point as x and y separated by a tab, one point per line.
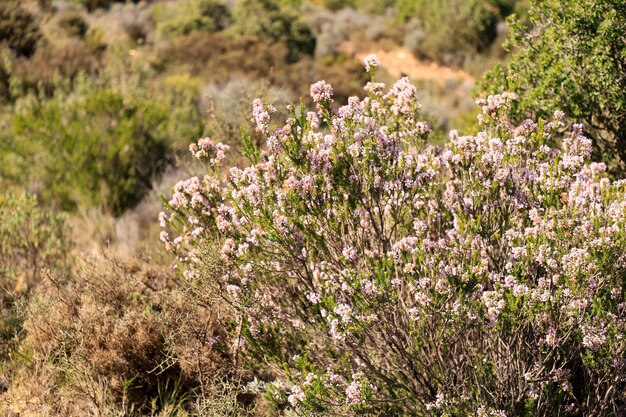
119	338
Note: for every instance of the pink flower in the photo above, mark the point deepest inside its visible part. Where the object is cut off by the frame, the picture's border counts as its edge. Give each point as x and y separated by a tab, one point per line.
297	396
321	91
262	114
371	62
349	253
206	149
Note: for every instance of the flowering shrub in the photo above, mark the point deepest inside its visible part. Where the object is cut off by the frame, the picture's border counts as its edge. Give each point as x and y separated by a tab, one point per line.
386	275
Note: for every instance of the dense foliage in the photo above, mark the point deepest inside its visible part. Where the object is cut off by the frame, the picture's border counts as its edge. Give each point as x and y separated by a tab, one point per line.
267	20
18	28
572	56
32	241
482	278
193	15
101	145
451	31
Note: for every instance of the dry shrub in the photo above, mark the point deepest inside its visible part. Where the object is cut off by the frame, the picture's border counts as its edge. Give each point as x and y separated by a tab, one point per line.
345	73
19	29
136	30
49	63
120	335
33	242
227	106
356	27
134	234
74	24
219	58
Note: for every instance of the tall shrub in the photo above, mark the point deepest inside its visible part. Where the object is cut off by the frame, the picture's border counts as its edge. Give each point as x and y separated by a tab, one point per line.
32	243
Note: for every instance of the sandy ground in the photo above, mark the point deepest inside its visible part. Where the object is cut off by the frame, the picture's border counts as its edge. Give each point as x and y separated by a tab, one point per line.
400	62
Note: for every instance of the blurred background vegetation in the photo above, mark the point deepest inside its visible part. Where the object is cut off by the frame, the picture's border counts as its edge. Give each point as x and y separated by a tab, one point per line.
99	100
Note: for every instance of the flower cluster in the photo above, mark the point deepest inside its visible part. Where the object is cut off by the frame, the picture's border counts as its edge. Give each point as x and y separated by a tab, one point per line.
210	151
321	91
371	62
262	115
481	277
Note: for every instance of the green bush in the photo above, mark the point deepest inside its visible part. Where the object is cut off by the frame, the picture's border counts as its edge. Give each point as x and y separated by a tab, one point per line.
572	49
18	28
267	20
178	19
452	30
31	240
101	144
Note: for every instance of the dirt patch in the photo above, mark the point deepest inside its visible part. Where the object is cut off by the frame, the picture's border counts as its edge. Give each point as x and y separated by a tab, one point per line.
400	62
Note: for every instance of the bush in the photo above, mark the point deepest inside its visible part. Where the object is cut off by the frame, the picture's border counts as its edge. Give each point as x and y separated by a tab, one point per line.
454	30
52	66
18	28
118	338
32	241
45	5
228	105
267	20
32	244
343	70
219	58
74	24
136	30
572	49
333	29
386	276
101	145
92	5
6	68
173	20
